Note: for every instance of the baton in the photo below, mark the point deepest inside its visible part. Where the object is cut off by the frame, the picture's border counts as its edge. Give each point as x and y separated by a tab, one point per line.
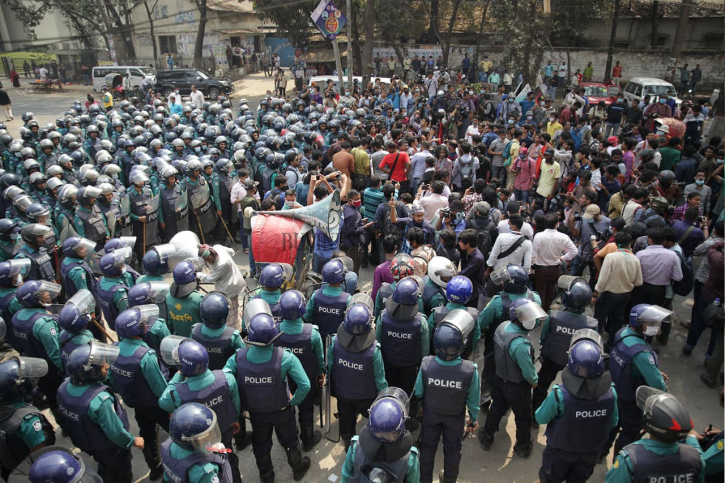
100	327
201	232
231	238
144	240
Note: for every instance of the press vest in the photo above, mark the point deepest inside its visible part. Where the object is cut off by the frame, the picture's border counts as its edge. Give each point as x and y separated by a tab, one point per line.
446	387
219	348
649	467
585	424
401	340
178	470
353	375
562	325
507	368
130	381
620	366
261	386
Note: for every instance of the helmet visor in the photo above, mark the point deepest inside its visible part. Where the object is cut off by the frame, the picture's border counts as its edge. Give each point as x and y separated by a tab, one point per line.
157	292
587	334
655	315
529	314
92	192
36	229
32	368
288	271
400	396
501	276
346	263
169	348
461	320
165	251
647	397
208	441
566	281
362	299
255	307
122	255
52	290
83	299
3	329
22	202
149	313
19	266
126	241
102	354
85	243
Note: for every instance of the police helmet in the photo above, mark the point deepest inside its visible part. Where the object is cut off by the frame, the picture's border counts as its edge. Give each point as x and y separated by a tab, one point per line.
215	310
388	413
86	363
459	289
664	416
577	295
292	305
262	331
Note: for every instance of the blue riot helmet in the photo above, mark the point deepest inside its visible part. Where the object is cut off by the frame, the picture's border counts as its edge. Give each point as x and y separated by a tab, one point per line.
37	293
358	320
576	293
585	359
194	427
275	275
113	263
56	464
184	279
77	247
191	357
3	329
292	305
403	304
156	260
513	278
215	310
527	312
148	293
459	289
453	334
262	331
648	317
388	413
120	242
18	377
13	271
333	271
88	363
77	312
136	321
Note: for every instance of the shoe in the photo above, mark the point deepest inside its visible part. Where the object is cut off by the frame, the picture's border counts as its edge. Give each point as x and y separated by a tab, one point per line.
686	351
299	464
364	264
706	380
662	340
243	442
156	473
523	450
485	439
267	477
309	438
237	240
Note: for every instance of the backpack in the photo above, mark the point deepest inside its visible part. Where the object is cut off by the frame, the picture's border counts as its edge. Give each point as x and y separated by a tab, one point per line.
684	286
486	236
466	171
507	152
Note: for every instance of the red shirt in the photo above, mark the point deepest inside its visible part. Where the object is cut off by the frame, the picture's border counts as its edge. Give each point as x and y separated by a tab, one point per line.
617	71
399	173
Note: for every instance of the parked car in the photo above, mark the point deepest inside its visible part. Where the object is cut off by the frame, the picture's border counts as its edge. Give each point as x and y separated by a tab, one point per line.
597	92
638	87
137	74
183	79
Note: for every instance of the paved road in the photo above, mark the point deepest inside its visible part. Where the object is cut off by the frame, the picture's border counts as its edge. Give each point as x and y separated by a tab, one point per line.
497	465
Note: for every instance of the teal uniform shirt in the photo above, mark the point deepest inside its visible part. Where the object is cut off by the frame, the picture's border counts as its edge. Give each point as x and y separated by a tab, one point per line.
494	309
77	275
379	303
330	292
475	335
520	351
204	473
170	400
81	338
132	193
270	296
215	189
31	427
437	300
553	407
120	298
14	306
9	247
643	363
184	312
412	475
80	227
149	364
473	396
46	331
294	327
236	340
424	333
101	412
378	366
621	470
157	332
150	278
714	458
291	366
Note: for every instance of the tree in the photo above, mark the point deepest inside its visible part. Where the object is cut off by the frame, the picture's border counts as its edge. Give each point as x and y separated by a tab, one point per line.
612	38
367	55
149	14
199	43
293	22
124	29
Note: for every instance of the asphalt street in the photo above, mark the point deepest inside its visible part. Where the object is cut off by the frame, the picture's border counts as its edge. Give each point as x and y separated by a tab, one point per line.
497	465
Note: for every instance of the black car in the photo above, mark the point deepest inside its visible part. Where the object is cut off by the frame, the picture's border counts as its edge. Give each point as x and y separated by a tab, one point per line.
183	79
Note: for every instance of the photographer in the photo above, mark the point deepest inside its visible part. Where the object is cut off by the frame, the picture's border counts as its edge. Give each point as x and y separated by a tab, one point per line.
453	217
592	228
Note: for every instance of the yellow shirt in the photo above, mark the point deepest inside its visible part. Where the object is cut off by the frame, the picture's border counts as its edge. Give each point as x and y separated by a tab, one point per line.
552	127
486	65
107	100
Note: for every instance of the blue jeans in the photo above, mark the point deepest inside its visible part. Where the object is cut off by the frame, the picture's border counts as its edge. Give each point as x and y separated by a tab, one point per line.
612	128
242	233
318	262
521	195
498	172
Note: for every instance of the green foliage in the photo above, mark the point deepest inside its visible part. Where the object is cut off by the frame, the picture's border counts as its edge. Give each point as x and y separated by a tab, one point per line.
30	14
293	22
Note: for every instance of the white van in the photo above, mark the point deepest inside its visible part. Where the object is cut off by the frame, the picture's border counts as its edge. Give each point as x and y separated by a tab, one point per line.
138	75
638	87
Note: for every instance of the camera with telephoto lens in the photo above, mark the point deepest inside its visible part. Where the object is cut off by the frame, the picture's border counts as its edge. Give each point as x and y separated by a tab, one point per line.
446	213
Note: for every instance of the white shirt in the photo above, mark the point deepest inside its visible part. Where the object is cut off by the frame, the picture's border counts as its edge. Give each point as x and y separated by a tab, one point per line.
472	131
520	256
431	204
197	98
548	247
526	230
238	192
224	273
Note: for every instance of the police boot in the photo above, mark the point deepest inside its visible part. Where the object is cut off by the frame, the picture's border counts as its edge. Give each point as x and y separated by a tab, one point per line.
534	423
346	442
267	477
299	464
309	437
153	461
486	439
523	449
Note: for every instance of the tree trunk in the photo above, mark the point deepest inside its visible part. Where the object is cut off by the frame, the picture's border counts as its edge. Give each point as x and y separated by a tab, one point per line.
612	37
199	43
367	56
529	71
357	51
123	30
449	33
149	13
654	24
432	36
681	27
480	35
398	51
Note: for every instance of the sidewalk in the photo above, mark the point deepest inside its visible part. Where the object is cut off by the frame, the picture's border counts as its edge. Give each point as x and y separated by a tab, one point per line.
253	85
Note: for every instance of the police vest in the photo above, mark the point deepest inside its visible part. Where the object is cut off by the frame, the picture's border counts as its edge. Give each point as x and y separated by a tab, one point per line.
219	348
9	249
363	467
93	223
69	287
216	396
146	204
446	387
6	296
301	346
439	313
649	467
429	292
401	340
276	310
82	430
28	345
267	178
174	204
262	389
105	297
13	449
329	312
130	381
562	325
177	471
584	427
620	365
385	291
506	367
353	375
68	345
41	264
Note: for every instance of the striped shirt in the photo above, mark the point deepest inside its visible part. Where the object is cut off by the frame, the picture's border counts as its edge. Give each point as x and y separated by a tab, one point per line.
659	265
373	197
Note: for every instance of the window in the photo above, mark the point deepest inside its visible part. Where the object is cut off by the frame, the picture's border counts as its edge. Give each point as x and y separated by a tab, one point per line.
101	71
168	44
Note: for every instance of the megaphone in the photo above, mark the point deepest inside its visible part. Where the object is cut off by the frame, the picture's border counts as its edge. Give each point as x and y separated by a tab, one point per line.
324	214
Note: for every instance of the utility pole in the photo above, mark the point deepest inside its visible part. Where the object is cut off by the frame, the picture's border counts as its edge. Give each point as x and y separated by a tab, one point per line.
350	60
612	38
682	25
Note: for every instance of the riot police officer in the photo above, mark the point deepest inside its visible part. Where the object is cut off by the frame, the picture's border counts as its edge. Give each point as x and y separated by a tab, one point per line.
515	375
89	221
56	464
661	457
220	341
39	213
76	274
23	428
222	181
155	263
304	341
93	416
145	212
401	266
9	233
41	263
111	209
384	450
459	291
446	386
262	371
36	332
514	280
557	331
174	202
114	284
271	278
140	380
402	331
326	307
579	413
633	363
73	320
203	215
64	210
194	382
186	455
11	276
152	293
6	350
440	272
184	300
